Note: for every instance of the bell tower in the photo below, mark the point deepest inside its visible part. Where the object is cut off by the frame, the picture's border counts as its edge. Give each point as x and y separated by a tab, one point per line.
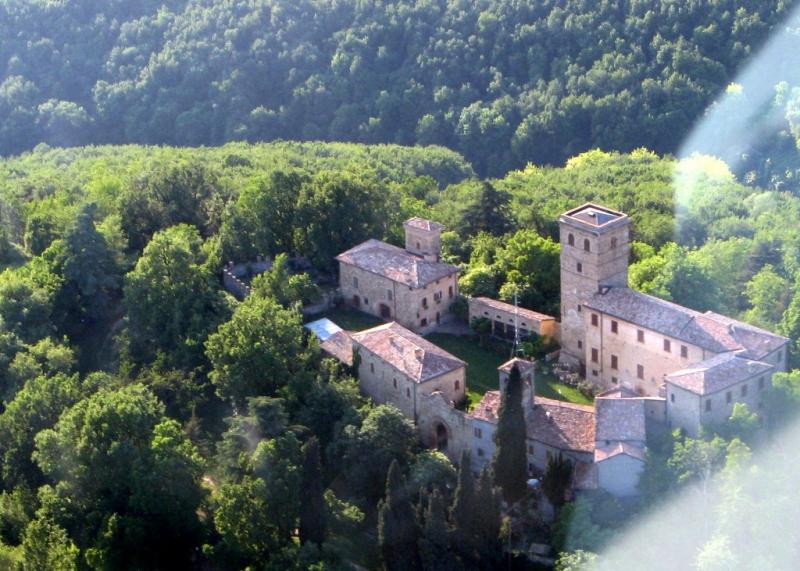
423	238
595	250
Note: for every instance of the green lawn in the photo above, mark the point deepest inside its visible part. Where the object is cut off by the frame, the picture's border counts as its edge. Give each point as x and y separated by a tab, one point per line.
482	370
349	319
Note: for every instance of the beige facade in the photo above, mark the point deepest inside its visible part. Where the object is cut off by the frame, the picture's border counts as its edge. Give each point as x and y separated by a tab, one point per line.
505	317
594	254
410	286
630	359
418	309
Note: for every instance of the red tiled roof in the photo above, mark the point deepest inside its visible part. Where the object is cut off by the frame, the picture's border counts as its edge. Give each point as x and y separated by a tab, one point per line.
718	373
559	424
617	448
407	352
508	308
395	263
340	346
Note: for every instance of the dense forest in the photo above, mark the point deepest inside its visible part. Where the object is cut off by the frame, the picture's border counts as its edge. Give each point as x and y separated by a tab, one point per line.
503	82
143	405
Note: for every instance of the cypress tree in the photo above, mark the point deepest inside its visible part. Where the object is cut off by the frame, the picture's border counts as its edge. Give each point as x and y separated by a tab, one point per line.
509	463
490	213
556	479
488	520
397	525
313	523
462	512
434	545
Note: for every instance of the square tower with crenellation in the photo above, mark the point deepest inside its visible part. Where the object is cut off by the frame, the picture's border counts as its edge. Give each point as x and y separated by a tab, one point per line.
595	250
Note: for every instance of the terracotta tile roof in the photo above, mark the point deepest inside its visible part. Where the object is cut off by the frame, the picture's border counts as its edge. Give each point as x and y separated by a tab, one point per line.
710	331
423	224
559	424
618	393
395	263
621	419
509	308
340	346
407	352
718	373
522	364
617	448
562	425
487	408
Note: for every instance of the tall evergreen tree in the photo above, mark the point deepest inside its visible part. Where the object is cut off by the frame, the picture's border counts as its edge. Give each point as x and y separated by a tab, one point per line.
397	525
509	463
489	213
488	520
434	544
462	512
312	506
556	479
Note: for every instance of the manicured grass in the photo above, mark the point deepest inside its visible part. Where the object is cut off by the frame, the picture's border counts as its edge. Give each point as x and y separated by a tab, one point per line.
349	319
482	370
483	363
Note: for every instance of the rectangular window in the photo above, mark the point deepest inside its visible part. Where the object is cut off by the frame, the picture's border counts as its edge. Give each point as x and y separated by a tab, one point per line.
640	371
480	452
708	405
594	372
389	294
640	336
595	354
579	309
423	322
408	392
478	433
580	344
580	268
450	292
366	301
684	351
614	362
355	282
424	303
614	326
728	396
672	397
614	380
744	390
372	367
667	346
595	319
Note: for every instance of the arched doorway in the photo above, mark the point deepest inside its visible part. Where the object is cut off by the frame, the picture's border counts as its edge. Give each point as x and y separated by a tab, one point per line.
356	301
385	311
441	437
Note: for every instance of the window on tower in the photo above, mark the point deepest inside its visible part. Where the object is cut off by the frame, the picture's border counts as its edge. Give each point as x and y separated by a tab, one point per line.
587	246
571	240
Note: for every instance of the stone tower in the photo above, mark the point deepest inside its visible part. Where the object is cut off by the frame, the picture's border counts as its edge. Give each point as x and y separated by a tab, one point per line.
595	250
423	238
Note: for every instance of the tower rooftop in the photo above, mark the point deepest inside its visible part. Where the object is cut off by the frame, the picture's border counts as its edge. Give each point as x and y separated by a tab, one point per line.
594	217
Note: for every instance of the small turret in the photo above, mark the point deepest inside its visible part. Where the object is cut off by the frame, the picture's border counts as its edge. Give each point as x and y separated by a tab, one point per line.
527	372
423	238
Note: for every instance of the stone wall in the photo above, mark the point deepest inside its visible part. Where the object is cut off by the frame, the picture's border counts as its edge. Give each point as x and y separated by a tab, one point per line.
385	384
602	265
437	413
620	474
233	274
413	308
526	322
624	344
687	410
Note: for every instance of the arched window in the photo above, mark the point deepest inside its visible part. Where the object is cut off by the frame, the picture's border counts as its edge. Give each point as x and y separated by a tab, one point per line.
587	245
571	240
458	385
613	243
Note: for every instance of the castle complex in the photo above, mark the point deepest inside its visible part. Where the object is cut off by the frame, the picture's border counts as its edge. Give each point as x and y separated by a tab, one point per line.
659	365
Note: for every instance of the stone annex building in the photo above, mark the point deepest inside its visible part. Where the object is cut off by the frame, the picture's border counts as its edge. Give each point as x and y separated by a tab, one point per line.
410	286
659	365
